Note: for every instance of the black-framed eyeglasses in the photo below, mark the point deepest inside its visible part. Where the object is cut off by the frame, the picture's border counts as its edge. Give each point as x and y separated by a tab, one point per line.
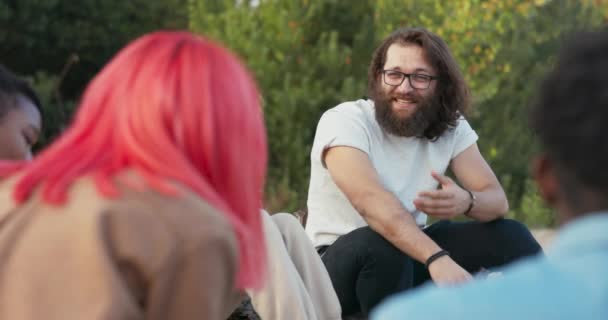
417	80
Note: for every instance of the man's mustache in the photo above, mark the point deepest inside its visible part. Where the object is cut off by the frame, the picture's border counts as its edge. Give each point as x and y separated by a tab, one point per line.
409	97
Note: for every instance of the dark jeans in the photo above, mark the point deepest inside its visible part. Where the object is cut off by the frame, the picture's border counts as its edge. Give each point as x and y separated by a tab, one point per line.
365	268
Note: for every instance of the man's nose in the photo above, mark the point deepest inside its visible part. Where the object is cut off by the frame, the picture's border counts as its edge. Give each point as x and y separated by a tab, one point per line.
405	86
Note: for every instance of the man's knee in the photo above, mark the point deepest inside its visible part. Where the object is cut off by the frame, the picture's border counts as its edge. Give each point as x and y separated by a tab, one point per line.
509	228
516	235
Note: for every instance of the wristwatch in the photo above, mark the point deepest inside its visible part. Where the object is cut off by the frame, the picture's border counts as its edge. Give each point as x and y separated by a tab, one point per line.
472	204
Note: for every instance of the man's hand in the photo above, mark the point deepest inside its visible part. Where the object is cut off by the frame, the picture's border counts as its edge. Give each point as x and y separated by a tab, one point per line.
448	202
445	272
380	208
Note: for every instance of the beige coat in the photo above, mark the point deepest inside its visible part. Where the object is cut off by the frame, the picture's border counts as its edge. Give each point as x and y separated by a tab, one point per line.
142	256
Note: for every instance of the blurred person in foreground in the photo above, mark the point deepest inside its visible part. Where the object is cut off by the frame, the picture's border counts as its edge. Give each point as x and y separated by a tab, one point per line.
569	118
147	207
20	120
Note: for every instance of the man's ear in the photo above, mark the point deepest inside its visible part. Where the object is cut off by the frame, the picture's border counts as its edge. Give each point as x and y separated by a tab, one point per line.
543	171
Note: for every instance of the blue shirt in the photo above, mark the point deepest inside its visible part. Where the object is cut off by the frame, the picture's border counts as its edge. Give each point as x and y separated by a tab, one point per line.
571	282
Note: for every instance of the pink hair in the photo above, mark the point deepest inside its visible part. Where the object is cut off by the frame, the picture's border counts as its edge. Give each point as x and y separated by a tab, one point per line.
171	106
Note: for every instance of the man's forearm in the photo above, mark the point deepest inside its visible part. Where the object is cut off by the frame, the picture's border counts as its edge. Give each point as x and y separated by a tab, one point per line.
387	216
489	204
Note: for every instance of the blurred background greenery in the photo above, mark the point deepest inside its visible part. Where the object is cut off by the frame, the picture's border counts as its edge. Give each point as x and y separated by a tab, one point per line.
308	56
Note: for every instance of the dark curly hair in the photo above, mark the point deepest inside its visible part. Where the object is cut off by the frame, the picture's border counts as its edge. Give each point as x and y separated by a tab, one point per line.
570	115
452	91
10	88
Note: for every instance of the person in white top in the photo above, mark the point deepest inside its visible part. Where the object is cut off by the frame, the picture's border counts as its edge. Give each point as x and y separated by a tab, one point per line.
378	169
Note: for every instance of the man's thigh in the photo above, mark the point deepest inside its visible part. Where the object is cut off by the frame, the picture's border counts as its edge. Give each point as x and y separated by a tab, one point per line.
475	245
364	268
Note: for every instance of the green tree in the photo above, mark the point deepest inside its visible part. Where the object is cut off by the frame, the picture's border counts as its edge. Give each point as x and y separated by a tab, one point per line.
45	36
301	69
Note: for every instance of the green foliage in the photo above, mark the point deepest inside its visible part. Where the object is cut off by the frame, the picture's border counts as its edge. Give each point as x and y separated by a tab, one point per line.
310	55
532	210
56	113
44	36
302	70
527	51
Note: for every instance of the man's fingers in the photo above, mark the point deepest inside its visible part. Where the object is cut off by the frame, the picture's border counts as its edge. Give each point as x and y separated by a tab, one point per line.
443	180
436	194
454	280
440	216
433	203
437	212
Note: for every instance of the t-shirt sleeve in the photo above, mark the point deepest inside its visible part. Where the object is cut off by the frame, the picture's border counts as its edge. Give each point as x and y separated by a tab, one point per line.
339	128
464	137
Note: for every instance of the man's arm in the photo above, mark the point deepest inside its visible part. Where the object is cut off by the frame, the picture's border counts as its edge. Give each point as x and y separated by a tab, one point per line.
354	174
475	175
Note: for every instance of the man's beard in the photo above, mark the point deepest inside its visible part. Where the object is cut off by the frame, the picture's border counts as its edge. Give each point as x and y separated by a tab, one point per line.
426	113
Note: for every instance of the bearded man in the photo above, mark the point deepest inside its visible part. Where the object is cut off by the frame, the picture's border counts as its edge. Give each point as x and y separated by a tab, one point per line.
378	170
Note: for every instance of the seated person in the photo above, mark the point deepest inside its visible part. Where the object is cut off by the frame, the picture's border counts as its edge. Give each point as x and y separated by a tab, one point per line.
569	119
143	208
20	122
377	171
297	285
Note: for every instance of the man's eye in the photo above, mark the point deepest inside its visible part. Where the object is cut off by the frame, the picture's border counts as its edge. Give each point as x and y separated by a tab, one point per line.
421	77
394	75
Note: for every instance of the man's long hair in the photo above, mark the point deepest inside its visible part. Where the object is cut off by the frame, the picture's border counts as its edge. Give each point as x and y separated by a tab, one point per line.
172	107
451	90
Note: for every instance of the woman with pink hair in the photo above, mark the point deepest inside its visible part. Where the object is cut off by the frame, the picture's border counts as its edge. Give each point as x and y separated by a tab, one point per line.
147	207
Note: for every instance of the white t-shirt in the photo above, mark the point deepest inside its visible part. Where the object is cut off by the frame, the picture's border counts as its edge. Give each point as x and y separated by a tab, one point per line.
404	165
